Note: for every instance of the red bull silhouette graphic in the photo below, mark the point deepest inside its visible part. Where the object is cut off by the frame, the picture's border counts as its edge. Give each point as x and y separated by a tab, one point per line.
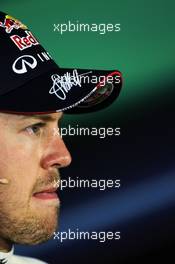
11	23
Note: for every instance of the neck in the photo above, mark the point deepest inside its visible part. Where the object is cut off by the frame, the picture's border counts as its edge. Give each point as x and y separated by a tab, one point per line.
5	245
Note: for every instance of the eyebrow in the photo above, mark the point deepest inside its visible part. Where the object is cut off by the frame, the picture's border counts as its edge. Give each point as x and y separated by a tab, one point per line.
43	117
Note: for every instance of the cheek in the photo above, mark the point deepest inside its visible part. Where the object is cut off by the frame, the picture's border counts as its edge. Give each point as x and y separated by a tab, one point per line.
19	163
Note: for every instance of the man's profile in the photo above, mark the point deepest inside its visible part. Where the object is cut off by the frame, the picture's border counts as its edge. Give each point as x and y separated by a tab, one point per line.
28	201
34	93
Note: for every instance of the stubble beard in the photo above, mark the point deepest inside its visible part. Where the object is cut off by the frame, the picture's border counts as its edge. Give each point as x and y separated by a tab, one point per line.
30	228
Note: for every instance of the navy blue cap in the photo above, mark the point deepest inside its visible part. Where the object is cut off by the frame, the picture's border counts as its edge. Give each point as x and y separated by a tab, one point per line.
32	83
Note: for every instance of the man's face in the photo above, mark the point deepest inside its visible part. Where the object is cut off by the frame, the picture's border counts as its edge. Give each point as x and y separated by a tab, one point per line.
30	155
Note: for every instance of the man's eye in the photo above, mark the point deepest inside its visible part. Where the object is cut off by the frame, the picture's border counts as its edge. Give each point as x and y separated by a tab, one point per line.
35	129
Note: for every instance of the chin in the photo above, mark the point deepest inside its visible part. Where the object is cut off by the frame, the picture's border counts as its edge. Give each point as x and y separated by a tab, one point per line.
37	235
34	231
29	228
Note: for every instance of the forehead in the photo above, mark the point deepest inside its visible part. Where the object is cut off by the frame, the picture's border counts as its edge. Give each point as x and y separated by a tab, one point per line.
4	117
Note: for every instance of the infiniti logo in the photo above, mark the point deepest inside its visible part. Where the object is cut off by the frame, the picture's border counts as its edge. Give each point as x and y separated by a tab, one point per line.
22	63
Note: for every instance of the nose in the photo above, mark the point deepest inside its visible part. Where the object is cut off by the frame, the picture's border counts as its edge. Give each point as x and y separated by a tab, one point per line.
56	155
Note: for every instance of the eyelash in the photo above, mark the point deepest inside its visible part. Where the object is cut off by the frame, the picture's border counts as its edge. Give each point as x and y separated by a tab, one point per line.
38	126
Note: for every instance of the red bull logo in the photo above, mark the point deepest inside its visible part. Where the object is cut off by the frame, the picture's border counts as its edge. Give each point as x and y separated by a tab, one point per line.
24	42
11	23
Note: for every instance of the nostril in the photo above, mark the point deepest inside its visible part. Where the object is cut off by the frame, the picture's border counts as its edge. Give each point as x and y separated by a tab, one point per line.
56	166
55	160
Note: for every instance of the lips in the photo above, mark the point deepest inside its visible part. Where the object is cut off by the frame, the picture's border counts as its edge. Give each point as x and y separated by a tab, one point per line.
46	194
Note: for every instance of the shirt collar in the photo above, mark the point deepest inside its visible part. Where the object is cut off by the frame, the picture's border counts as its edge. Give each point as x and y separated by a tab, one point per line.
6	256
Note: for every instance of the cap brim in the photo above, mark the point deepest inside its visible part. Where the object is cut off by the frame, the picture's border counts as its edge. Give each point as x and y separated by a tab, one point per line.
61	90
